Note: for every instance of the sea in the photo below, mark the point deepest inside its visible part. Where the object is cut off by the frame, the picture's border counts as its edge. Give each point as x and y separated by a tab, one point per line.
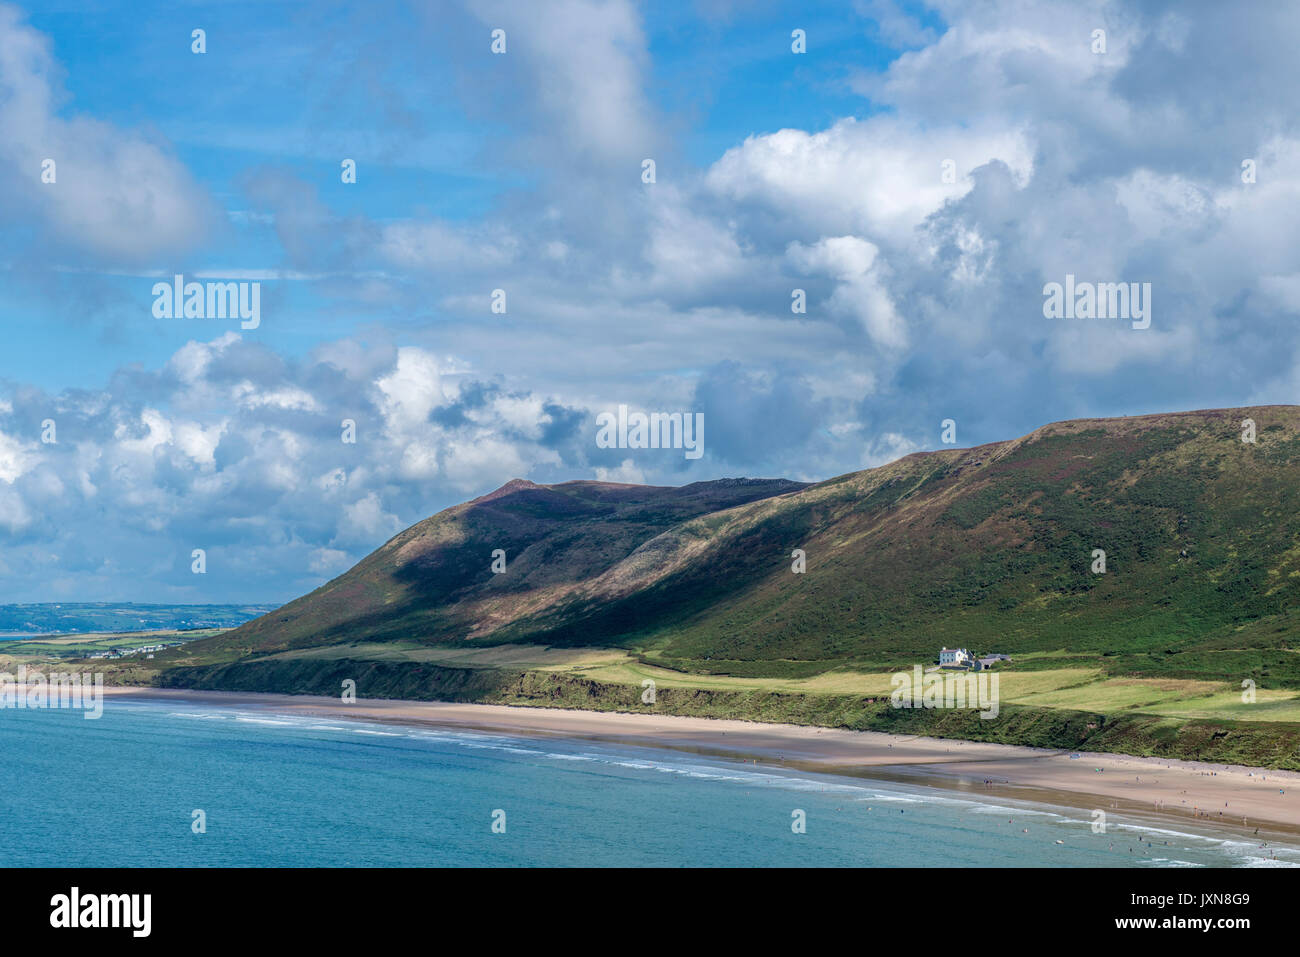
197	785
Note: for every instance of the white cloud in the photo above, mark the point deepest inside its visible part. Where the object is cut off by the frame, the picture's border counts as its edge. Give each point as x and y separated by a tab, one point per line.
366	521
15	458
115	194
414	389
627	473
861	292
586	62
328	562
879	177
14	515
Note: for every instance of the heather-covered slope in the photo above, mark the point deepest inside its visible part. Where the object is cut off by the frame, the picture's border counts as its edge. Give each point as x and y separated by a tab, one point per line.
989	547
435	582
993	548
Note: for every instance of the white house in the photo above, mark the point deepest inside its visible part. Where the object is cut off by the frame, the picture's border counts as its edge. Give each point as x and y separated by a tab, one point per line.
954	656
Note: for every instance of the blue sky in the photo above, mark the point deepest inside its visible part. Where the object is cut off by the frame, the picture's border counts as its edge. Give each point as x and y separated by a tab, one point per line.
775	170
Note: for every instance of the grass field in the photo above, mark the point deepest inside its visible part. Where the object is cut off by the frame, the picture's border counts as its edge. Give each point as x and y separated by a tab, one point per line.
82	645
1065	683
528	657
1066	686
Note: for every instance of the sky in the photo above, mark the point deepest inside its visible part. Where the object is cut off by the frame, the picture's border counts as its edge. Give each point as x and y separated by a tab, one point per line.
920	171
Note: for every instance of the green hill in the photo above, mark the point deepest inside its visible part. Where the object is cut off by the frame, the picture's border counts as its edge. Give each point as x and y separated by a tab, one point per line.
989	548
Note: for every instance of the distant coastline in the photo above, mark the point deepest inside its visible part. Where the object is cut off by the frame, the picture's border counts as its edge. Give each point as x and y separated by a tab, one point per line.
56	619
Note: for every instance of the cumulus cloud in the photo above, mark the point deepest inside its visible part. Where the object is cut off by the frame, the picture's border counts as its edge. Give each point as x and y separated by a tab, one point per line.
861	292
584	63
879	177
115	193
257	470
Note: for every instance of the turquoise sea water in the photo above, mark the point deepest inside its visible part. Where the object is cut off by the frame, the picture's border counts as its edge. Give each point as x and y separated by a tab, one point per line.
299	791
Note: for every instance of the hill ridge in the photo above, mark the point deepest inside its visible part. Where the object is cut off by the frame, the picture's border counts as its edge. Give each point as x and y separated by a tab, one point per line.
990	544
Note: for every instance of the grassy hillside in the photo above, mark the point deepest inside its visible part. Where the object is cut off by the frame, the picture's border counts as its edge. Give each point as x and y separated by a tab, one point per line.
992	548
989	548
435	582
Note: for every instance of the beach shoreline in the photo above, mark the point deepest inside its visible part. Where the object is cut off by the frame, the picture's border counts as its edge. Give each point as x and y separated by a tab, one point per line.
1158	790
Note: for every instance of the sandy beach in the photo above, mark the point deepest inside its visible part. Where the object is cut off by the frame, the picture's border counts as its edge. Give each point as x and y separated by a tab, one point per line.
1221	797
